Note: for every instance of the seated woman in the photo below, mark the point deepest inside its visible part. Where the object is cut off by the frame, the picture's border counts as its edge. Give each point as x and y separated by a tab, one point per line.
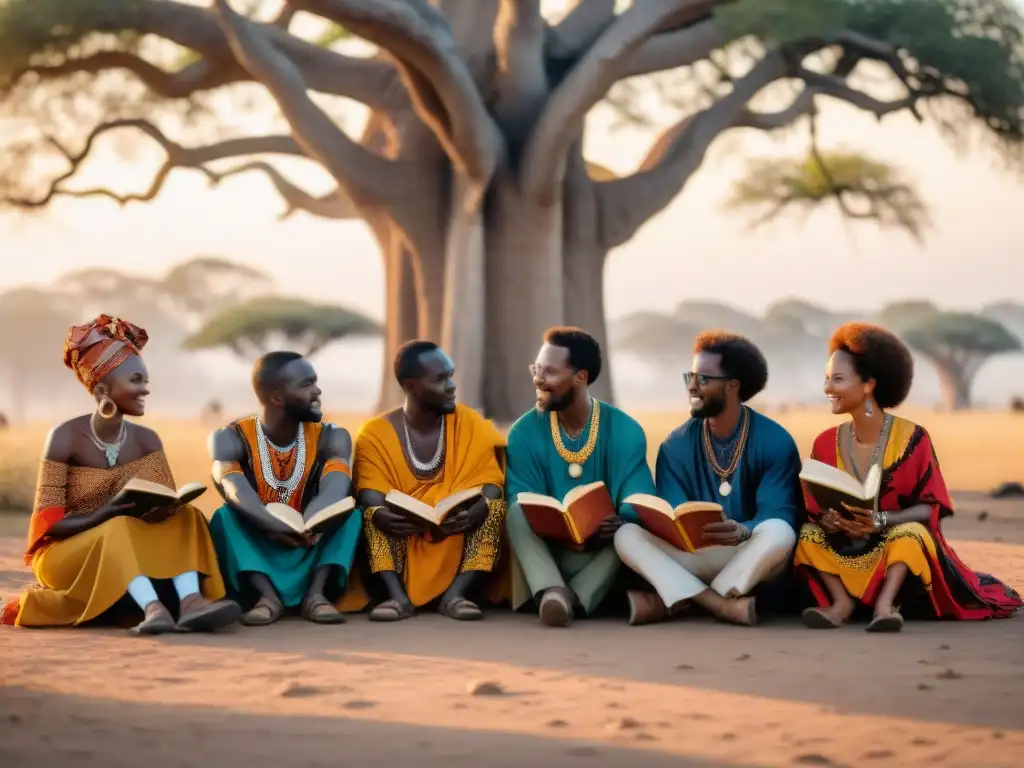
86	551
869	558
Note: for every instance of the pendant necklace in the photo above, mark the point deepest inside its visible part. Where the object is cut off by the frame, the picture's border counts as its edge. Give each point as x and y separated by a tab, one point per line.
576	459
110	450
725	488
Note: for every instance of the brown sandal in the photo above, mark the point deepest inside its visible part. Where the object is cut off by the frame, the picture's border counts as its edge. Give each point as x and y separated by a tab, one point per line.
460	609
318	610
265	612
391	610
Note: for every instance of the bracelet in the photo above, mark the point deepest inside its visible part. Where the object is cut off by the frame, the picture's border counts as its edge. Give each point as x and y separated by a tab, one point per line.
880	519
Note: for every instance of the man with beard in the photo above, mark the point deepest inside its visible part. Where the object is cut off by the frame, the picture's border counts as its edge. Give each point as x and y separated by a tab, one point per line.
570	439
429	449
729	454
285	454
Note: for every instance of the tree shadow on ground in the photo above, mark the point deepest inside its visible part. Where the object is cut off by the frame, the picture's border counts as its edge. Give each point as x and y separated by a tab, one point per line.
61	730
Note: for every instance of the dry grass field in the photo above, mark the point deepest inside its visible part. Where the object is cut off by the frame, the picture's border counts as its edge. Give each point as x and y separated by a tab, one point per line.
978	449
685	693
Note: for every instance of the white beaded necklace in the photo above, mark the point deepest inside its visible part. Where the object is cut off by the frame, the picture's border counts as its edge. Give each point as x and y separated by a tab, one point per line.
430	467
283	488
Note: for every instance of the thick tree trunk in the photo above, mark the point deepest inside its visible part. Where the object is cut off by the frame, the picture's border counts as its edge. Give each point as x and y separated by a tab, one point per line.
463	325
402	317
525	293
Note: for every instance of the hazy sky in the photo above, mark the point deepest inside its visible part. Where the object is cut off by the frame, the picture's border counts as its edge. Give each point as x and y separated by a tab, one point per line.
691	250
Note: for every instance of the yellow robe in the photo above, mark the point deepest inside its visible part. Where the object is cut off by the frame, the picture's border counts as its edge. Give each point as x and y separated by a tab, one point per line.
471	460
84	575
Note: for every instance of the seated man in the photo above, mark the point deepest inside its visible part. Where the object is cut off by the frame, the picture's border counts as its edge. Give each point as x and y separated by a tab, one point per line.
570	439
287	455
732	455
429	449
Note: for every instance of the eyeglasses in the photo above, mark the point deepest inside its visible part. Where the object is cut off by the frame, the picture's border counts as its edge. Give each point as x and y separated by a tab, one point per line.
702	378
542	371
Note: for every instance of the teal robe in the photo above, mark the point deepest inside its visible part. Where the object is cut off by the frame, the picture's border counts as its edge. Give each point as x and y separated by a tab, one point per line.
533	465
766	483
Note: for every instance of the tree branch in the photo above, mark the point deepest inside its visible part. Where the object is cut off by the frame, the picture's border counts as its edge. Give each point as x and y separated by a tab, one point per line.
579	28
334	205
369	179
626	204
367	81
521	81
681	47
199	76
544	160
441	86
178	156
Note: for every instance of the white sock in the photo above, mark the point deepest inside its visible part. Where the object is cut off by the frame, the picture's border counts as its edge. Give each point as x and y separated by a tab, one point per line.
142	592
186	584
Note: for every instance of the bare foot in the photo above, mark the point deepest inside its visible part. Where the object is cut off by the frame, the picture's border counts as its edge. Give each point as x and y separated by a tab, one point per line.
158	620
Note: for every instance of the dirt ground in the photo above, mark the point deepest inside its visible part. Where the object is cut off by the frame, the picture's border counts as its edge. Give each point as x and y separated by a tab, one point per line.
602	693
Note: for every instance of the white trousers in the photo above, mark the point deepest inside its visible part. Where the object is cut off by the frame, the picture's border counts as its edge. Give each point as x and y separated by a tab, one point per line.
730	571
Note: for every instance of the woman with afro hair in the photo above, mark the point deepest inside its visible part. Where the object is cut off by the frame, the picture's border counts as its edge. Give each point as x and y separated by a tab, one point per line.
865	556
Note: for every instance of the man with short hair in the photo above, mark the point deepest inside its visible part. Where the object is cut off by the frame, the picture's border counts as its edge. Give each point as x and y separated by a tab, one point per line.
286	454
430	448
570	439
729	454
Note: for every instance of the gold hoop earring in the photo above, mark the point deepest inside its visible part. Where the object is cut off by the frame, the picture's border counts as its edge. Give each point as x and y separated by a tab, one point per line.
103	410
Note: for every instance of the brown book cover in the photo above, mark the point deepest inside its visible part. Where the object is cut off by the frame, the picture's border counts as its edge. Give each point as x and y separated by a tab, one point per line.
681	526
574	519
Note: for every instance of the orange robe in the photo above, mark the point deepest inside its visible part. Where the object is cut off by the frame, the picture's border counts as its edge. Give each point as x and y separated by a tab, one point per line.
428	568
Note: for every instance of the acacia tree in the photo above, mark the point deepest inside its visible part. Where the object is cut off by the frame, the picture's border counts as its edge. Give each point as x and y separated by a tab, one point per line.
249	328
471	172
958	344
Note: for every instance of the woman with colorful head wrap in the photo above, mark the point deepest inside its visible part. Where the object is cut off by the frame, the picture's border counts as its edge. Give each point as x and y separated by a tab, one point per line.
86	551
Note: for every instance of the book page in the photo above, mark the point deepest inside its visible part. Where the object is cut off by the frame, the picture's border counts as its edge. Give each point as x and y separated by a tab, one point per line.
819	473
460	499
579	492
653	503
330	511
413	506
538	500
287	515
147	486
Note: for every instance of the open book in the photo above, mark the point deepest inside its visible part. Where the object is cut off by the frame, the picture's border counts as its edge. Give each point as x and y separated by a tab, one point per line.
294	520
830	487
682	526
153	500
421	512
574	519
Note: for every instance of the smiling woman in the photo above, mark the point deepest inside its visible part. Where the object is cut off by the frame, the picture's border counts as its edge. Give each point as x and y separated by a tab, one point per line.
88	551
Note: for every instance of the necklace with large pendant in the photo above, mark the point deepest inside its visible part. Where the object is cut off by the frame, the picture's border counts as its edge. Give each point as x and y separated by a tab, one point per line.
110	450
576	459
725	488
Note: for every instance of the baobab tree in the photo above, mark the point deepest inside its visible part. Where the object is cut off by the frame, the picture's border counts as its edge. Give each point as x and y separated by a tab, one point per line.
471	172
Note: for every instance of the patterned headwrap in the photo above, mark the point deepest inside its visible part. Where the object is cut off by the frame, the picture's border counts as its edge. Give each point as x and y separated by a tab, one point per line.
95	349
